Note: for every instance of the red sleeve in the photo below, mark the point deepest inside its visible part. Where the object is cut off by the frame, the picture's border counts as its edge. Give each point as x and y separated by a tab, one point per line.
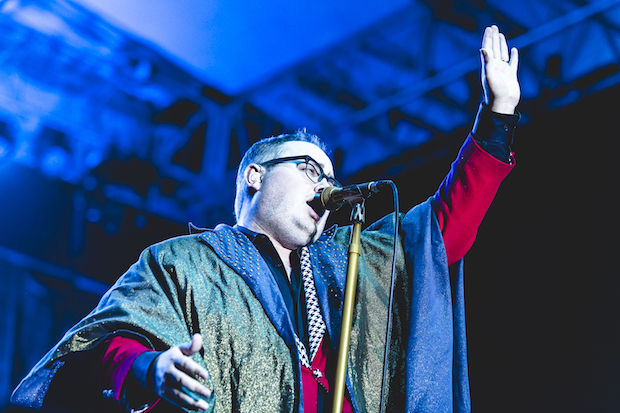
119	354
465	195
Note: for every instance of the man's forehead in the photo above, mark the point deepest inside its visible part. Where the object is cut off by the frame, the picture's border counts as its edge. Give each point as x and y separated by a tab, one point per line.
299	148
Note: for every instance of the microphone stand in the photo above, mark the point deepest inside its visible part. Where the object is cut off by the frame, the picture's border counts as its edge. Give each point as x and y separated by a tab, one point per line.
358	217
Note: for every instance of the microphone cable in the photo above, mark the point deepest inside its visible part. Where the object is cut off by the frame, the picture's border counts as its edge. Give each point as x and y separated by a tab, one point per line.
391	297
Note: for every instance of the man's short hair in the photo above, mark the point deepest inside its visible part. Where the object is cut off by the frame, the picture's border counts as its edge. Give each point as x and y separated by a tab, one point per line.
265	150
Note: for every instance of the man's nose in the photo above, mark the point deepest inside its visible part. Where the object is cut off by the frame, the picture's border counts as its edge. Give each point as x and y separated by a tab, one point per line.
321	185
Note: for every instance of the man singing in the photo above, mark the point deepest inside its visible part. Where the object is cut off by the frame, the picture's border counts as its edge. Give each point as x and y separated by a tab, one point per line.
247	318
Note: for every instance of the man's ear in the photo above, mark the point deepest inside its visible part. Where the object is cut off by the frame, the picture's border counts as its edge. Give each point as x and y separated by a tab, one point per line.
253	176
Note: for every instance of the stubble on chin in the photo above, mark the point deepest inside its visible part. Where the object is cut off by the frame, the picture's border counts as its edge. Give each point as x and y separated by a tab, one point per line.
308	237
297	236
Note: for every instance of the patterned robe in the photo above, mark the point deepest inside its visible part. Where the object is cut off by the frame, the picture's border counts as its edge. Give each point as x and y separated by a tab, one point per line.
216	283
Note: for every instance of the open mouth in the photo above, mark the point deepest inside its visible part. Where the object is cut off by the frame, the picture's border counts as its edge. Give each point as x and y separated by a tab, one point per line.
317	205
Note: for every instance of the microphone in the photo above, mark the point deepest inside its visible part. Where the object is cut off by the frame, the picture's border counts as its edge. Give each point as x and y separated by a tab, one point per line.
333	198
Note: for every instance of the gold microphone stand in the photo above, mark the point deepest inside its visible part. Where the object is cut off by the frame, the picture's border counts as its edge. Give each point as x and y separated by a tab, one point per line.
357	218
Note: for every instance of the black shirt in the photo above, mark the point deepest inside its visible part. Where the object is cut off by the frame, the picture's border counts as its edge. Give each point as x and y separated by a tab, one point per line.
293	291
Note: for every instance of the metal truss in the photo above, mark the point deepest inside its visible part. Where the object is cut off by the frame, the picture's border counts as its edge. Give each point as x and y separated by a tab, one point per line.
421	67
86	103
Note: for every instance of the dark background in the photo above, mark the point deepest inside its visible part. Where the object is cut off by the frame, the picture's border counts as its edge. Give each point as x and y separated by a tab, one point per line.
541	279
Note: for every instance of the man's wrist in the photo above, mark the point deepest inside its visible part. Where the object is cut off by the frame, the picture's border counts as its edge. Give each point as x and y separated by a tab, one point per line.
137	393
503	108
494	132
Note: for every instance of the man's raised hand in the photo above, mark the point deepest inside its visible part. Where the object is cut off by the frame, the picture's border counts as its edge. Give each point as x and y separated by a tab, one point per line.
499	72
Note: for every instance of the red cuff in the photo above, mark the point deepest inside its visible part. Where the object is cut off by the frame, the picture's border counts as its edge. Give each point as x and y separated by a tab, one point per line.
117	359
465	195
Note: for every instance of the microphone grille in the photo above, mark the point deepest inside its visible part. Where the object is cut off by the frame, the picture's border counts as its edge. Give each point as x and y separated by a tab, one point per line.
326	195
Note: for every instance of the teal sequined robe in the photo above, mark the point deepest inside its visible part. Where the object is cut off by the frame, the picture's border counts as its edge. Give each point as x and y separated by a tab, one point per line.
215	283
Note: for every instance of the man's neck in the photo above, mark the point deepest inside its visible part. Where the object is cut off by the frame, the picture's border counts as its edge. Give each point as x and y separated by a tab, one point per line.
283	252
285	255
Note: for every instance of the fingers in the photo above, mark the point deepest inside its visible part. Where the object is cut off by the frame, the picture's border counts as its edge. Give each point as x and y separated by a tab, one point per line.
184	400
185	391
487	39
514	59
503	47
500	85
192	347
186	364
485	57
176	376
494	45
496	42
190	367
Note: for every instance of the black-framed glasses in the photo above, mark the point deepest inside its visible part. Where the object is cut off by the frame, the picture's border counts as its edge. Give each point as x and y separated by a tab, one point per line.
313	170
